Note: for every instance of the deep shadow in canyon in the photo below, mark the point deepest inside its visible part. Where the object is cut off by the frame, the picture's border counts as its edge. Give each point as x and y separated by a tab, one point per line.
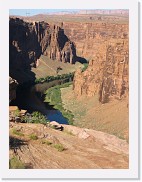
81	60
27	42
31	98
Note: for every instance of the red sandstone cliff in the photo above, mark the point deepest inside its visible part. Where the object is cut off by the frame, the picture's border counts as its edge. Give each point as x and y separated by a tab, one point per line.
88	36
107	74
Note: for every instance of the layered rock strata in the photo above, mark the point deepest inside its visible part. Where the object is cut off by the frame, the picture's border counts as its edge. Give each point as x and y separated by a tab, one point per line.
107	74
87	36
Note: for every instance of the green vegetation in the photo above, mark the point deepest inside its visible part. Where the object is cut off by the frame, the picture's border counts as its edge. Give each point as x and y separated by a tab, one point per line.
33	136
16	132
53	96
52	126
15	163
68	132
16	113
52	78
85	67
46	142
59	147
35	117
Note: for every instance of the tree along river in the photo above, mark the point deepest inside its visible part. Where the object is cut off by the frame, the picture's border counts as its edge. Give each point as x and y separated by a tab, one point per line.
32	99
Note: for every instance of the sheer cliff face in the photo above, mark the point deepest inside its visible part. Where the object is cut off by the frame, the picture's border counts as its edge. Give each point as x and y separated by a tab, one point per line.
106	46
28	40
88	36
60	47
107	73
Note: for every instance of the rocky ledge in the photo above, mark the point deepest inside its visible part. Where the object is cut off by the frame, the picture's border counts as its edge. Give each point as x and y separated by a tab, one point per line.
45	147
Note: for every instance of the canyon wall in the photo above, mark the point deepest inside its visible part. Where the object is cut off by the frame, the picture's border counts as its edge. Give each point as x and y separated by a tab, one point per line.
107	73
28	40
104	44
88	36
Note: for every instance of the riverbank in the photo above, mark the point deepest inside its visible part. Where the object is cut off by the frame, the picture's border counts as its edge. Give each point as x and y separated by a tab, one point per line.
89	113
53	97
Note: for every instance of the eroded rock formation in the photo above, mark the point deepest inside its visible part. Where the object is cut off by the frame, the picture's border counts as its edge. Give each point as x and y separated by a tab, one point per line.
88	36
28	40
107	73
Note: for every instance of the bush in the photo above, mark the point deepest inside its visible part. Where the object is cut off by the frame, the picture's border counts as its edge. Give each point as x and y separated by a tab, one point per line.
85	67
59	147
52	78
16	113
33	137
35	117
46	142
15	132
15	163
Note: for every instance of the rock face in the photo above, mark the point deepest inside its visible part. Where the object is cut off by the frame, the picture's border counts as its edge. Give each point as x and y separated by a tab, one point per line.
107	73
81	148
12	89
28	40
106	46
60	48
88	36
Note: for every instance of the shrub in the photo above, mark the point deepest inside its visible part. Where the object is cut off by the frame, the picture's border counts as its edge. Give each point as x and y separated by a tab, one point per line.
59	147
46	142
68	132
15	163
35	117
85	67
15	132
52	78
16	113
33	137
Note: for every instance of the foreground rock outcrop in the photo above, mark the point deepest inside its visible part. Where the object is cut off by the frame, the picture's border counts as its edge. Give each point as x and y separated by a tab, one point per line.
41	147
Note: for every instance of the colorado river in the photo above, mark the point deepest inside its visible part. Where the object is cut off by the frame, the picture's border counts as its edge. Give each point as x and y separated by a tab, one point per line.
31	100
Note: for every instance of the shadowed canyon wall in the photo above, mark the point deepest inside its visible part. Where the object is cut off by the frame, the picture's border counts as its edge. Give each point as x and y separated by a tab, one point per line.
28	40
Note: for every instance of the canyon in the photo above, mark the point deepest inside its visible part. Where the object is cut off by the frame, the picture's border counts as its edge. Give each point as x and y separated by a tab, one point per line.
40	44
107	74
27	41
104	44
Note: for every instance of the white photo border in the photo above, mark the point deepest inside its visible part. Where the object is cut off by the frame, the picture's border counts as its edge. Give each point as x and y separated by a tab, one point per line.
133	171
